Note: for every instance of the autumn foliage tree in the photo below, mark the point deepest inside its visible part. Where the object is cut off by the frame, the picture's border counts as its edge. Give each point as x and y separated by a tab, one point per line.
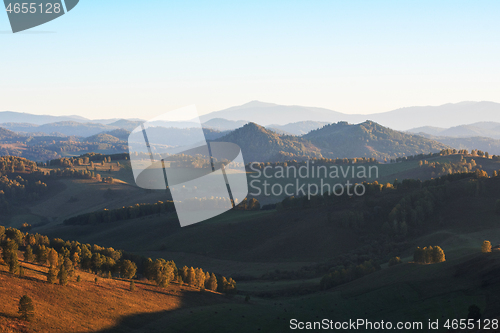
429	255
128	269
9	255
63	276
486	247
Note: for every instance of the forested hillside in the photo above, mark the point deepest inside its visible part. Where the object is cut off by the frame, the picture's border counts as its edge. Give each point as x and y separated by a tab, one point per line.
369	139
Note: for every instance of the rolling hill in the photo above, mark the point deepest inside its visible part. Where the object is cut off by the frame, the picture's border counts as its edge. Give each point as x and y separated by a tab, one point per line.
489	145
6	135
482	129
368	139
259	144
339	140
102	138
87	306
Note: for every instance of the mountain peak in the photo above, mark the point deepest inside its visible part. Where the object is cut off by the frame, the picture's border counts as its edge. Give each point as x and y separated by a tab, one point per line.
257	104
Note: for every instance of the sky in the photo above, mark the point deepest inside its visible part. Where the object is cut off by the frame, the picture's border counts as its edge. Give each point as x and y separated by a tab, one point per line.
139	59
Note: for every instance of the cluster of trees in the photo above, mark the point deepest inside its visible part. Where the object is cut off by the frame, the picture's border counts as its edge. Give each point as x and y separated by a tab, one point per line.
86	159
65	257
72	173
252	204
140	210
11	164
17	188
463	166
429	255
20	179
447	152
444	152
413	210
43	148
120	214
344	275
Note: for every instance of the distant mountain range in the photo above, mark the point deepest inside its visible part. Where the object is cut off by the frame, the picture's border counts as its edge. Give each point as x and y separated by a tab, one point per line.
288	131
21	117
447	115
484	129
276	116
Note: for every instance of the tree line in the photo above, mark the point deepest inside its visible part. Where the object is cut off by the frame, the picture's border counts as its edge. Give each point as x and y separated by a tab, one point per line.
429	255
144	209
64	258
344	275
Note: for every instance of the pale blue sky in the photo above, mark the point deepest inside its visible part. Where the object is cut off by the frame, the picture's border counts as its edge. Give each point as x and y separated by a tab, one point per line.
107	59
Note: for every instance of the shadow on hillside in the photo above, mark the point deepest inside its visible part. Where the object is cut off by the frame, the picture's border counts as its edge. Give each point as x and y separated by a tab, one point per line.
191	301
135	322
8	315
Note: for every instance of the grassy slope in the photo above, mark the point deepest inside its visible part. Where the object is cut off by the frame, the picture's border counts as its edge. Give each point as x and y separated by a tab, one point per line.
87	307
405	292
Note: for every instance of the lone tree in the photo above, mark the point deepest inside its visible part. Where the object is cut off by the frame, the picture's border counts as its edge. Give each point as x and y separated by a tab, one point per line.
26	308
486	247
63	276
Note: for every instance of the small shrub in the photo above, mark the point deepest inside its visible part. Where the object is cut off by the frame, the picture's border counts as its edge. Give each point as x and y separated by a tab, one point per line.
395	261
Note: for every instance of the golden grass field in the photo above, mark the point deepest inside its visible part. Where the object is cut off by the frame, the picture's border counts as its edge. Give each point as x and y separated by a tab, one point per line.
86	306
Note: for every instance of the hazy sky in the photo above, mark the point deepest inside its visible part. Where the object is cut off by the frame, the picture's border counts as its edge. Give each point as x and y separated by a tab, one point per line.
107	59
